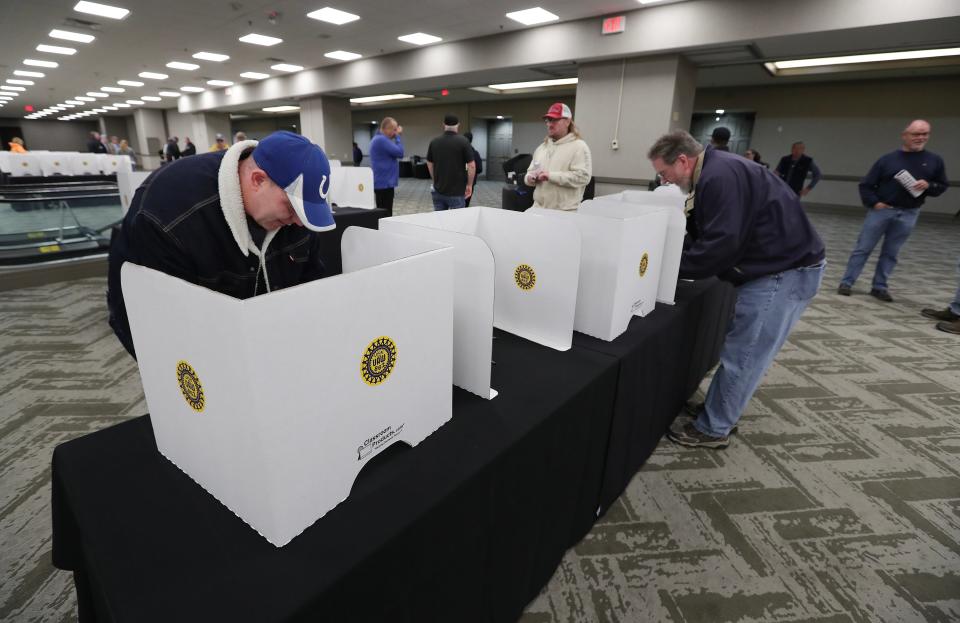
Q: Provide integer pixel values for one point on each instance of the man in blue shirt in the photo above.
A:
(386, 149)
(893, 191)
(753, 233)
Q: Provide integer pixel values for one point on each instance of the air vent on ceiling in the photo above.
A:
(724, 56)
(81, 23)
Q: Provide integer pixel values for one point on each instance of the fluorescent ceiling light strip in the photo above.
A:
(121, 105)
(343, 55)
(530, 17)
(153, 75)
(103, 10)
(28, 74)
(130, 83)
(220, 83)
(253, 75)
(135, 102)
(280, 108)
(66, 35)
(193, 89)
(184, 66)
(532, 85)
(56, 49)
(286, 67)
(419, 38)
(380, 98)
(168, 94)
(28, 83)
(256, 39)
(211, 56)
(112, 89)
(6, 88)
(333, 16)
(84, 98)
(37, 63)
(881, 57)
(96, 94)
(77, 102)
(150, 98)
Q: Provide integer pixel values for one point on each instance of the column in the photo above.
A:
(206, 126)
(657, 97)
(151, 135)
(327, 122)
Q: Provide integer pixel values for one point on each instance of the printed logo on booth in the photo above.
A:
(644, 264)
(360, 187)
(379, 360)
(190, 386)
(525, 277)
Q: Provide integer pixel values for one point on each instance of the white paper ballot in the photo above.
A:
(908, 182)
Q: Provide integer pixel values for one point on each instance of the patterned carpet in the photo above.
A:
(838, 501)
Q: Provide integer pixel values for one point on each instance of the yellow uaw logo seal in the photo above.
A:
(644, 263)
(525, 277)
(190, 386)
(360, 187)
(378, 361)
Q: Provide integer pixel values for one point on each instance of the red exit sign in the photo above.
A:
(614, 25)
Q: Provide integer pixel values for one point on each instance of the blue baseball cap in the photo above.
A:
(302, 170)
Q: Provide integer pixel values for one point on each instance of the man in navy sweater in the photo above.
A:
(753, 233)
(893, 203)
(386, 149)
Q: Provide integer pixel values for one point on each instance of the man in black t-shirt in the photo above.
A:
(451, 166)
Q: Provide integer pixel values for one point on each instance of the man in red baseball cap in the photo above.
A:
(562, 166)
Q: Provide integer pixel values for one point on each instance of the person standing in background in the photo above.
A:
(893, 202)
(720, 138)
(94, 146)
(357, 154)
(753, 154)
(793, 169)
(450, 162)
(220, 144)
(126, 150)
(239, 136)
(478, 162)
(189, 149)
(16, 145)
(386, 149)
(562, 164)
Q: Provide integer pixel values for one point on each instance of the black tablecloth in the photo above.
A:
(468, 526)
(330, 240)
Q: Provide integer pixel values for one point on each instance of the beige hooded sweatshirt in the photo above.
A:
(570, 166)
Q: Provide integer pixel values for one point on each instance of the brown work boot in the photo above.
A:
(939, 314)
(950, 327)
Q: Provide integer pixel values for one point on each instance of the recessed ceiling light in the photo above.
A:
(6, 88)
(150, 98)
(96, 94)
(260, 39)
(84, 98)
(253, 75)
(220, 83)
(26, 82)
(130, 83)
(112, 89)
(110, 108)
(103, 10)
(135, 102)
(169, 94)
(55, 49)
(648, 1)
(77, 102)
(121, 105)
(98, 110)
(68, 105)
(880, 57)
(499, 116)
(532, 85)
(152, 75)
(193, 89)
(184, 66)
(379, 98)
(28, 74)
(36, 63)
(286, 67)
(211, 56)
(66, 35)
(280, 108)
(529, 17)
(419, 38)
(720, 111)
(341, 55)
(333, 16)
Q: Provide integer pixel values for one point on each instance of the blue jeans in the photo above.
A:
(766, 310)
(447, 202)
(895, 225)
(955, 305)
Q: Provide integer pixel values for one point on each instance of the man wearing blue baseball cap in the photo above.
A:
(221, 220)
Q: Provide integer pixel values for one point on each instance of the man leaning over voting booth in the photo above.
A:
(221, 220)
(752, 232)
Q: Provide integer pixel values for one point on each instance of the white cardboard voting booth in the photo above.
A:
(536, 267)
(56, 163)
(24, 165)
(643, 202)
(352, 187)
(111, 163)
(274, 404)
(620, 260)
(127, 184)
(85, 164)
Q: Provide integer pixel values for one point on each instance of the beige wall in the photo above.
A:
(847, 126)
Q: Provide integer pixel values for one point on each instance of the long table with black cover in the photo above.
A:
(467, 526)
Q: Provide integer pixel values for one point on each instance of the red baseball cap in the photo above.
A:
(559, 111)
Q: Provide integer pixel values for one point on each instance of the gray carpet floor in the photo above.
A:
(838, 501)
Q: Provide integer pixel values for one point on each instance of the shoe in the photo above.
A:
(881, 295)
(694, 409)
(691, 437)
(950, 327)
(844, 289)
(940, 314)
